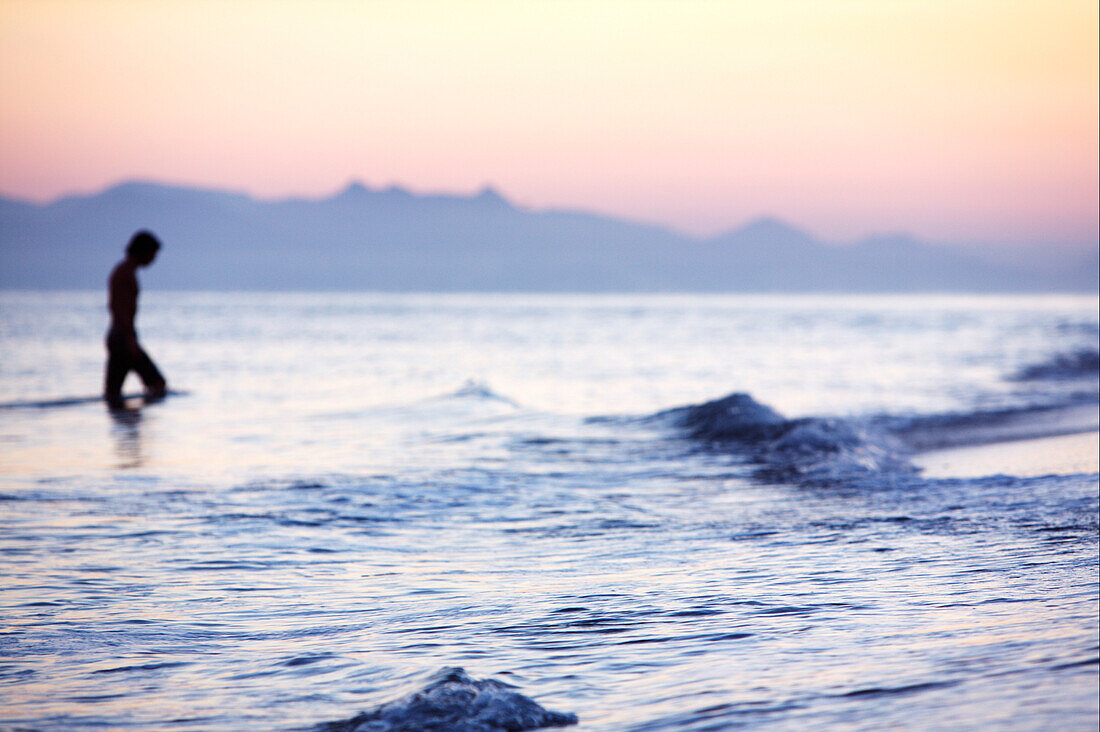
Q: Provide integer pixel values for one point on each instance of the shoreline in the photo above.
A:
(1052, 441)
(1067, 454)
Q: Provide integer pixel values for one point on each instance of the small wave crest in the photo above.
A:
(454, 702)
(475, 390)
(1063, 366)
(733, 417)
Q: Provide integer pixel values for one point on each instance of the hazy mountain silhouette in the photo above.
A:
(392, 239)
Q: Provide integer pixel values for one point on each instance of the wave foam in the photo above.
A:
(454, 702)
(827, 450)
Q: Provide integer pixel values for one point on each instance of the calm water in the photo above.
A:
(355, 491)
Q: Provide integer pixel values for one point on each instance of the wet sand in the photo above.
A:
(1059, 455)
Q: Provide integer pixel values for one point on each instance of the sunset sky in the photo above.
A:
(956, 121)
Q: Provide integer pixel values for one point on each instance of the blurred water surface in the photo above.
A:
(353, 491)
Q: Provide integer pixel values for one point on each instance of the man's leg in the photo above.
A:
(150, 374)
(118, 365)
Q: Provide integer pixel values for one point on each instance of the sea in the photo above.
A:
(380, 511)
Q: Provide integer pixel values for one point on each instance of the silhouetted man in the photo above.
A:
(124, 354)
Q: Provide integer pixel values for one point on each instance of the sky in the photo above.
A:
(954, 121)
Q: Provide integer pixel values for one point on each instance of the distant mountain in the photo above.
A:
(391, 239)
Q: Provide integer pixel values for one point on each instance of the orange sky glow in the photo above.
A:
(954, 121)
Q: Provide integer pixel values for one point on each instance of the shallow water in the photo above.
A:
(355, 491)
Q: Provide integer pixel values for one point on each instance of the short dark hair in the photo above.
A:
(142, 243)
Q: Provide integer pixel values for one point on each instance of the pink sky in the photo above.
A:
(954, 121)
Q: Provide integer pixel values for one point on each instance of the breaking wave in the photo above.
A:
(817, 450)
(454, 702)
(828, 450)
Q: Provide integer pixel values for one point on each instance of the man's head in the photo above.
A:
(143, 247)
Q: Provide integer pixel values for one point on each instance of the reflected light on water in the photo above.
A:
(329, 515)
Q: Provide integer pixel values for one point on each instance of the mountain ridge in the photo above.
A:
(364, 238)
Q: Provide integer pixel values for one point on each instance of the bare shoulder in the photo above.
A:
(122, 275)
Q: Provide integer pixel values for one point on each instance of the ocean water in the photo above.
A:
(348, 494)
